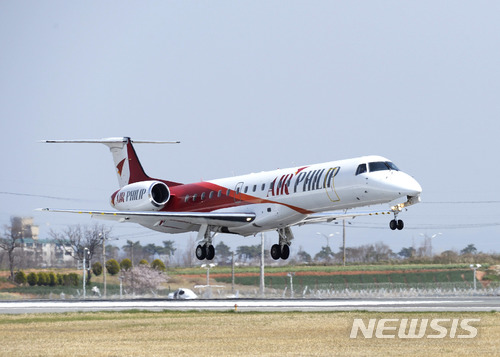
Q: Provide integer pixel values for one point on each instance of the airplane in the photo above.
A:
(254, 203)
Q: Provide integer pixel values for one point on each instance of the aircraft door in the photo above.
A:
(329, 184)
(237, 192)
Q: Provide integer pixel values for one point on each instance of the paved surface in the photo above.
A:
(469, 304)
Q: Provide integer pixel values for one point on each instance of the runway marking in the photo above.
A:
(250, 305)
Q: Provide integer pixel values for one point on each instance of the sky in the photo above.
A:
(249, 86)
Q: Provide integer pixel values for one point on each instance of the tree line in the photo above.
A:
(87, 241)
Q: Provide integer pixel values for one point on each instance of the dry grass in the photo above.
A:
(226, 334)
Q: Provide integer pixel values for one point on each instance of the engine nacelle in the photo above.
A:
(141, 196)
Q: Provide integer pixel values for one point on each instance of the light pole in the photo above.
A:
(85, 250)
(343, 242)
(291, 284)
(262, 283)
(475, 267)
(327, 237)
(208, 267)
(428, 240)
(103, 237)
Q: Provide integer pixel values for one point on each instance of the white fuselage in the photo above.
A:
(284, 197)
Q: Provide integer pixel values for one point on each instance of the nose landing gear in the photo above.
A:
(396, 224)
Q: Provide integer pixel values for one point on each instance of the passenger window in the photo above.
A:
(254, 188)
(211, 195)
(203, 195)
(361, 169)
(246, 189)
(228, 192)
(186, 199)
(194, 197)
(219, 193)
(263, 187)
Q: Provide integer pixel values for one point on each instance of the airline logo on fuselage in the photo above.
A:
(304, 181)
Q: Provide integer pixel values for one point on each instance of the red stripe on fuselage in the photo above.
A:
(178, 201)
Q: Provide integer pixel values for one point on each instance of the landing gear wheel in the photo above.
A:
(210, 252)
(201, 252)
(400, 225)
(275, 251)
(285, 252)
(393, 224)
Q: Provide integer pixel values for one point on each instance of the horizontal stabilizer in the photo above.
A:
(127, 165)
(107, 141)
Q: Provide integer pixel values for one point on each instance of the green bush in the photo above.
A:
(491, 277)
(60, 279)
(71, 279)
(97, 268)
(158, 265)
(126, 264)
(144, 262)
(43, 279)
(20, 278)
(32, 279)
(113, 267)
(52, 279)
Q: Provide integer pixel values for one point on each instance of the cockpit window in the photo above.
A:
(392, 166)
(382, 166)
(361, 169)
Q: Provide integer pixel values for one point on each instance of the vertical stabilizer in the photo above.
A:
(128, 167)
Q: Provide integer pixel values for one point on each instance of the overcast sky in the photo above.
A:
(248, 86)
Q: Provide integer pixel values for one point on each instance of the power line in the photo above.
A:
(359, 225)
(459, 202)
(42, 196)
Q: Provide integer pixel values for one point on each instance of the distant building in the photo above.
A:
(39, 253)
(24, 227)
(44, 253)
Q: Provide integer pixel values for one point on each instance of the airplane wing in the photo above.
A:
(335, 216)
(161, 218)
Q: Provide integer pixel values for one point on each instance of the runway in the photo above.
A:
(456, 304)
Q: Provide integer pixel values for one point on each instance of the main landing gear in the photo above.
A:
(282, 249)
(205, 250)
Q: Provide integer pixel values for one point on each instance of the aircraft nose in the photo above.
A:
(409, 186)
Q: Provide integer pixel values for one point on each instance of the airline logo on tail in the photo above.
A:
(119, 167)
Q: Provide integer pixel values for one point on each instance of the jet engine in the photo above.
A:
(141, 196)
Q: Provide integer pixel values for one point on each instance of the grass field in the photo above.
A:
(227, 334)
